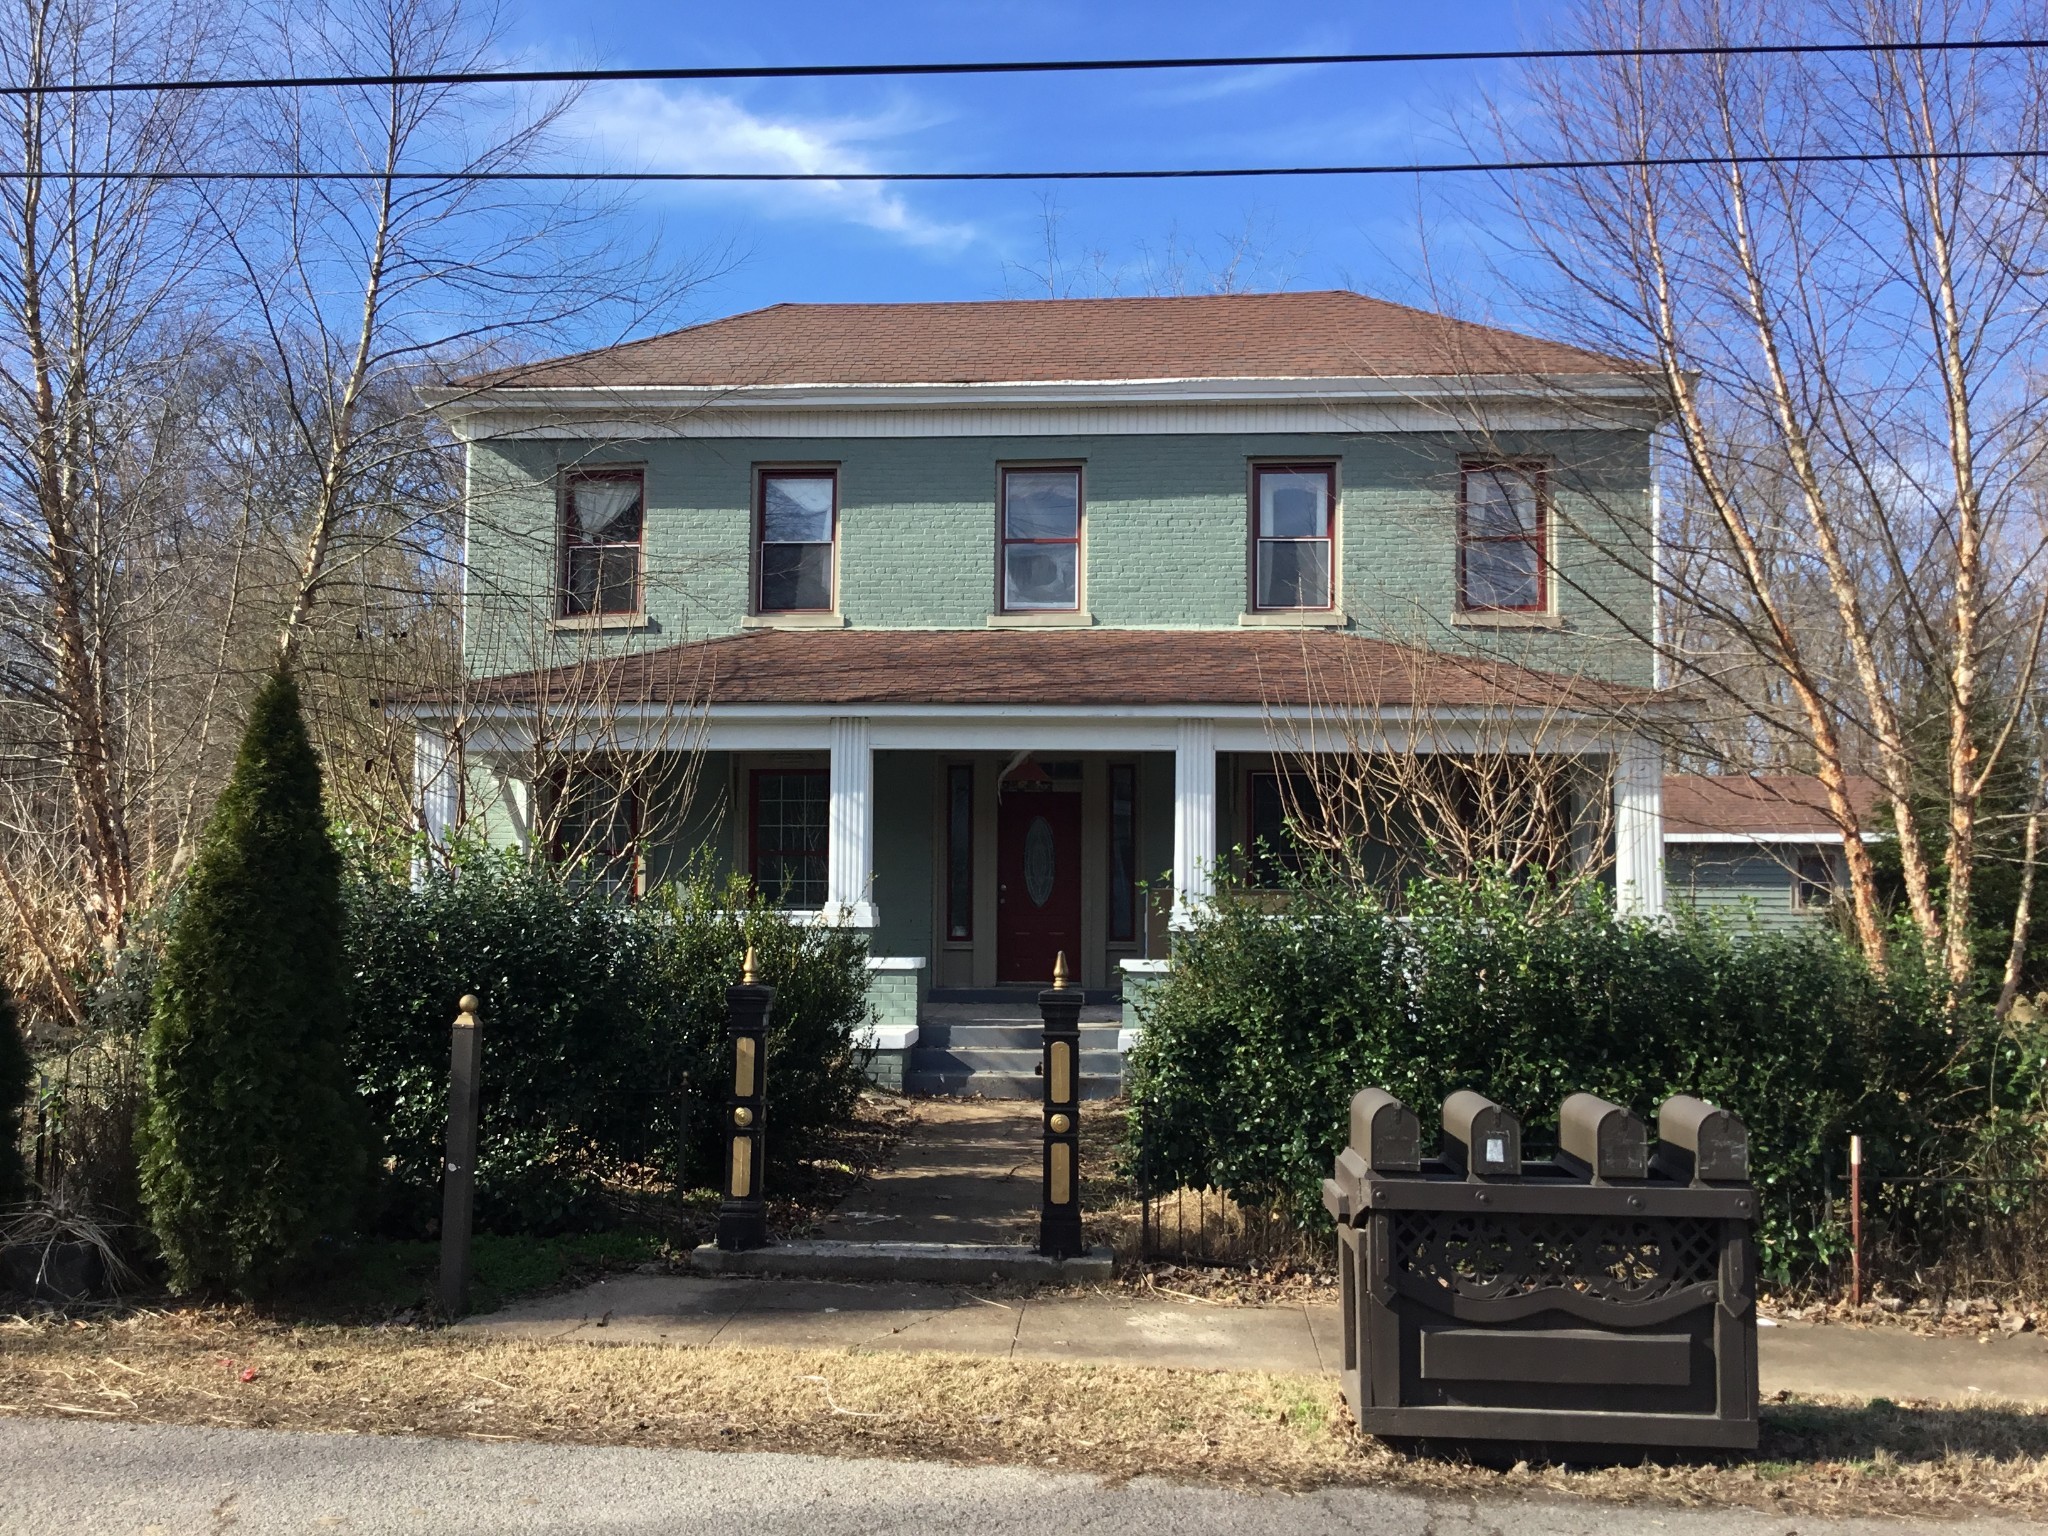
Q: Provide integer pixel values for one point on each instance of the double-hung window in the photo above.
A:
(791, 807)
(602, 524)
(1503, 531)
(1293, 535)
(1041, 540)
(797, 518)
(596, 830)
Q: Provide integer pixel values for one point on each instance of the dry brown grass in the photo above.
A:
(1236, 1428)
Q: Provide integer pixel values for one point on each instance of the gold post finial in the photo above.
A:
(747, 968)
(1059, 972)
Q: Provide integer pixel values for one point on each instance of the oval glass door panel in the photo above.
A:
(1038, 861)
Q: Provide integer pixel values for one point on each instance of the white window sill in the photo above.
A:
(1507, 620)
(1054, 620)
(793, 621)
(1296, 618)
(589, 621)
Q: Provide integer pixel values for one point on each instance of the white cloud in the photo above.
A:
(646, 127)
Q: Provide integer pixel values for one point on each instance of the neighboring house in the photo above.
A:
(1761, 844)
(977, 625)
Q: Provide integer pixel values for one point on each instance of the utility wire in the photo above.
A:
(1190, 173)
(1009, 66)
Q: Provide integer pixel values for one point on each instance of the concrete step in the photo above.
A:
(982, 1059)
(1004, 1085)
(986, 1036)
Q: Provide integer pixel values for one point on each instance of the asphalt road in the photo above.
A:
(76, 1479)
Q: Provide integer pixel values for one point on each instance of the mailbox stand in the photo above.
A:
(1607, 1297)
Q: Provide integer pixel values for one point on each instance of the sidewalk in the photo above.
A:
(1809, 1359)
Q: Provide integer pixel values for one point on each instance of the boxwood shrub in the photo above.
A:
(1271, 1020)
(593, 1010)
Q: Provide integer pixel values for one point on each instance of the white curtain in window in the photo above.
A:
(598, 504)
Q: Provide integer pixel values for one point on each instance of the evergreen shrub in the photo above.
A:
(1271, 1020)
(592, 1011)
(251, 1148)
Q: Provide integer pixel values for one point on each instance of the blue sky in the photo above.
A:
(852, 242)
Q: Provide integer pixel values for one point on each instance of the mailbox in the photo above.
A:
(1603, 1297)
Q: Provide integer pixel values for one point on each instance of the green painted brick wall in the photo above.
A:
(1166, 534)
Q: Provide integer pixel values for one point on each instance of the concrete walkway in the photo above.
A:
(1111, 1327)
(966, 1173)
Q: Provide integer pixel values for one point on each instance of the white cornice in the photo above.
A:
(1503, 402)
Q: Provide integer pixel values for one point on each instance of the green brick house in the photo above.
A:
(978, 626)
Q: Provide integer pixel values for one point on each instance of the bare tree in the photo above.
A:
(1848, 349)
(96, 300)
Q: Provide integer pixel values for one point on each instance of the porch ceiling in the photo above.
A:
(1051, 669)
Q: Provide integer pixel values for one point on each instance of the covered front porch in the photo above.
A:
(1032, 797)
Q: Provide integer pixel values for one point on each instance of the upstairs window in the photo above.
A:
(798, 517)
(1503, 531)
(1041, 540)
(790, 815)
(1293, 507)
(602, 524)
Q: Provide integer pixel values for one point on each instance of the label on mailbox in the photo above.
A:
(1496, 1149)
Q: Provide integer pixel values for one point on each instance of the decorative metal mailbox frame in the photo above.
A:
(1603, 1297)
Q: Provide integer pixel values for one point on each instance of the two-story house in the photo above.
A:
(979, 625)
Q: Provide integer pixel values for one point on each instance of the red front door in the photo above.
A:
(1038, 884)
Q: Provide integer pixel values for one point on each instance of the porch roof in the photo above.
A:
(1762, 807)
(1051, 668)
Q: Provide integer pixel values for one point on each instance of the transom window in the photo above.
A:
(1503, 517)
(602, 523)
(1292, 510)
(799, 513)
(1041, 540)
(790, 811)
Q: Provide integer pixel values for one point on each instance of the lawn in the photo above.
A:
(1247, 1429)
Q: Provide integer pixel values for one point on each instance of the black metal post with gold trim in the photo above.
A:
(743, 1216)
(1059, 1214)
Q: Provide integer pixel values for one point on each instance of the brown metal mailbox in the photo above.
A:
(1604, 1297)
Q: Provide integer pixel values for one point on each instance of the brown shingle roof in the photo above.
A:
(1217, 336)
(1759, 805)
(1045, 669)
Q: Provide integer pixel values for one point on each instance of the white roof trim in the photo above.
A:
(1820, 839)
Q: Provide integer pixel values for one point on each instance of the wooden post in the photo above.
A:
(1059, 1212)
(743, 1215)
(1855, 1221)
(458, 1184)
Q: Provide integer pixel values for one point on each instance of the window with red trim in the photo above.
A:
(1503, 529)
(1041, 540)
(1123, 853)
(603, 521)
(596, 831)
(959, 852)
(797, 520)
(1293, 535)
(790, 810)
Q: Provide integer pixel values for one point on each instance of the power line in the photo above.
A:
(1188, 173)
(1010, 66)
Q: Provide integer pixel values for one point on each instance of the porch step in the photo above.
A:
(1003, 1085)
(951, 1059)
(1007, 1036)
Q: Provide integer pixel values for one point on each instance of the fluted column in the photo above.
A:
(850, 845)
(1194, 819)
(1639, 828)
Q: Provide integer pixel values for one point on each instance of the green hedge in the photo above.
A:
(1270, 1021)
(592, 1011)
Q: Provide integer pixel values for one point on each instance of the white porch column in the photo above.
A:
(1194, 819)
(437, 790)
(1639, 828)
(850, 845)
(434, 784)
